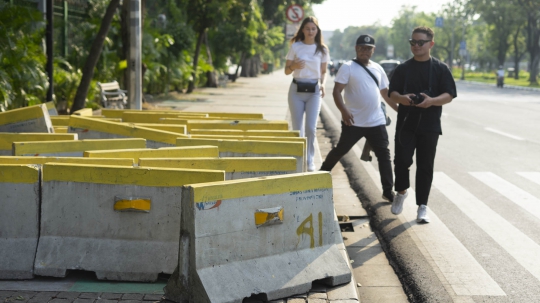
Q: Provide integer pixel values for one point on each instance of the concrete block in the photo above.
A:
(164, 152)
(60, 129)
(252, 148)
(89, 128)
(60, 120)
(248, 132)
(121, 223)
(154, 117)
(117, 113)
(237, 124)
(84, 112)
(74, 148)
(7, 139)
(51, 108)
(270, 236)
(234, 167)
(175, 128)
(19, 215)
(78, 160)
(32, 119)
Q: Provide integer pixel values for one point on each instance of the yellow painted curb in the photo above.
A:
(238, 124)
(79, 160)
(175, 128)
(249, 132)
(23, 114)
(7, 139)
(84, 112)
(248, 146)
(117, 113)
(165, 152)
(60, 120)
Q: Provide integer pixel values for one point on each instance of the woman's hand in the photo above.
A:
(323, 90)
(298, 64)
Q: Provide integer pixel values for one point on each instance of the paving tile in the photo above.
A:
(342, 292)
(111, 296)
(376, 275)
(369, 255)
(84, 300)
(152, 297)
(133, 297)
(68, 295)
(382, 295)
(89, 295)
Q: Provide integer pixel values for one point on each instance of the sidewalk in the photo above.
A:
(374, 279)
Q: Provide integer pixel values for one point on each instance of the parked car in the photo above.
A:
(389, 66)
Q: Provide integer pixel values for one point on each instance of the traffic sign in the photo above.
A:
(295, 13)
(439, 22)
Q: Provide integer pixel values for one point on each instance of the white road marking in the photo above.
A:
(504, 134)
(532, 176)
(511, 239)
(520, 197)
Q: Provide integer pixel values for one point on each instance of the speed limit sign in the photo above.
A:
(295, 13)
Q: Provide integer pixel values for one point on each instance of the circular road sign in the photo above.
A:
(295, 13)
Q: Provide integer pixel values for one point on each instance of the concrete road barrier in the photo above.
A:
(51, 108)
(234, 167)
(7, 139)
(60, 120)
(60, 129)
(270, 237)
(78, 160)
(252, 148)
(175, 128)
(88, 128)
(74, 148)
(121, 223)
(229, 124)
(19, 225)
(32, 119)
(164, 152)
(117, 113)
(154, 117)
(249, 132)
(88, 112)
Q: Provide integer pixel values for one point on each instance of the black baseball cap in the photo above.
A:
(365, 40)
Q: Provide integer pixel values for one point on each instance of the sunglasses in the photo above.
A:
(412, 42)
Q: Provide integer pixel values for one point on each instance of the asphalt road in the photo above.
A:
(483, 244)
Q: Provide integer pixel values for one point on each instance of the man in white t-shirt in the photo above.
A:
(364, 82)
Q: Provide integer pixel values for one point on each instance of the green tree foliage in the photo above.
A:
(22, 60)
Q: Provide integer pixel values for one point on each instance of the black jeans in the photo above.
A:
(425, 144)
(377, 138)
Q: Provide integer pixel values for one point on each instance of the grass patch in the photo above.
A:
(485, 77)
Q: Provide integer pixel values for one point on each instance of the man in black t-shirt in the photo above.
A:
(421, 86)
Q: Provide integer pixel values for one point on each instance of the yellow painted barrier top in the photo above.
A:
(175, 128)
(60, 129)
(117, 113)
(23, 114)
(41, 147)
(80, 160)
(228, 164)
(243, 138)
(159, 177)
(237, 115)
(19, 173)
(248, 146)
(123, 129)
(238, 124)
(60, 120)
(84, 112)
(248, 132)
(165, 152)
(153, 117)
(270, 185)
(7, 139)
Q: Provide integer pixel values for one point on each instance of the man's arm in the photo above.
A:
(346, 115)
(384, 94)
(401, 99)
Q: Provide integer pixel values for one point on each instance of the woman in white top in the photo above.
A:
(307, 60)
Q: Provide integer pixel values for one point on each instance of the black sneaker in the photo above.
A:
(388, 196)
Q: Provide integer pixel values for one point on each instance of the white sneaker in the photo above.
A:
(311, 168)
(422, 216)
(397, 205)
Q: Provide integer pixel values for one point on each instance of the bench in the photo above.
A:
(112, 96)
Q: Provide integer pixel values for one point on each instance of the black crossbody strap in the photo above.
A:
(367, 70)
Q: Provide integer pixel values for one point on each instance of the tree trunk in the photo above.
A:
(93, 57)
(211, 80)
(191, 85)
(238, 66)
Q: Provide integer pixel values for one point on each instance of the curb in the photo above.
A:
(505, 86)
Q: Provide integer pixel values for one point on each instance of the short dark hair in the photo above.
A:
(424, 30)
